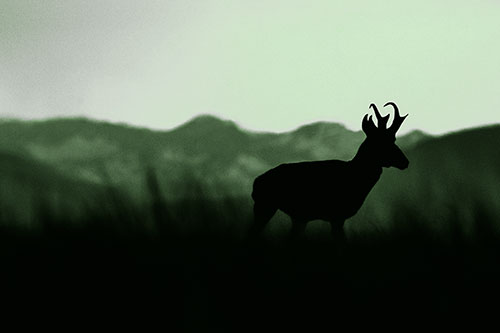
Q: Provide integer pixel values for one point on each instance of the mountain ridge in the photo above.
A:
(213, 151)
(213, 158)
(199, 119)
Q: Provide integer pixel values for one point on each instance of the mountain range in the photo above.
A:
(215, 152)
(76, 158)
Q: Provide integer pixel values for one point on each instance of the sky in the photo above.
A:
(268, 65)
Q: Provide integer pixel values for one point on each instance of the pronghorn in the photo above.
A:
(329, 190)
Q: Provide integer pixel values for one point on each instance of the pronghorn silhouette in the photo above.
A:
(330, 190)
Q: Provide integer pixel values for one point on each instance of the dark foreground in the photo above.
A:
(208, 279)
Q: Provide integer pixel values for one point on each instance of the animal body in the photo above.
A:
(330, 190)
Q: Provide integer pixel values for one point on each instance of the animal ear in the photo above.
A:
(368, 125)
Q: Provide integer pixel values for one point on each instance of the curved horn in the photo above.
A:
(382, 121)
(398, 120)
(368, 125)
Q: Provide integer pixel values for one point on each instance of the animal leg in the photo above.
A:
(262, 214)
(338, 233)
(298, 229)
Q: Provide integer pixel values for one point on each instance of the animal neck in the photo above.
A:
(367, 162)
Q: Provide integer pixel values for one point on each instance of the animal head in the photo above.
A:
(381, 141)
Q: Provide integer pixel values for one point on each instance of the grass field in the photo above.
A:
(188, 264)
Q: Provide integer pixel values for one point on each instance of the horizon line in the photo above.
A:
(4, 118)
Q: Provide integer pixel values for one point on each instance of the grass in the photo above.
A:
(187, 264)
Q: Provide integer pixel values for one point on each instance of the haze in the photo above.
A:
(268, 65)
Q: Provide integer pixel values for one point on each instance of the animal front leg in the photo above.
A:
(298, 229)
(338, 233)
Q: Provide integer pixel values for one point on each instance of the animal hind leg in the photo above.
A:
(262, 214)
(298, 229)
(338, 233)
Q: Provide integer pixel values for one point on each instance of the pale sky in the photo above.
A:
(269, 65)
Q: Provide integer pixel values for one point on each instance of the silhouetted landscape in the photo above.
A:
(142, 217)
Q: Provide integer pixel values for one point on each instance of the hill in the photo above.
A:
(214, 152)
(191, 254)
(455, 177)
(454, 174)
(27, 184)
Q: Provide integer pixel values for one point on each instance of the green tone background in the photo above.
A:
(268, 65)
(99, 219)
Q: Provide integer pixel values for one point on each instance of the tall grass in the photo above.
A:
(188, 262)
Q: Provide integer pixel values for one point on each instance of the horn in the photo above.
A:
(368, 125)
(398, 120)
(382, 121)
